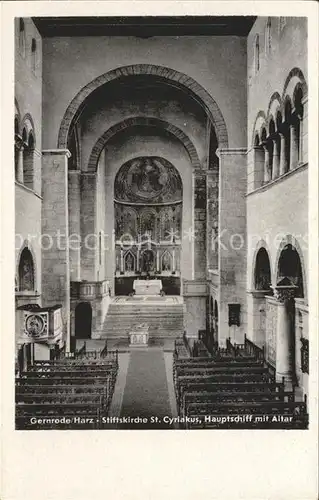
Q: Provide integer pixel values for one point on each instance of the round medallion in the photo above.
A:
(34, 325)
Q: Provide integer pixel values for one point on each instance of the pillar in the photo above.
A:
(89, 246)
(173, 261)
(284, 296)
(199, 225)
(55, 226)
(19, 172)
(294, 146)
(276, 158)
(157, 261)
(74, 188)
(283, 165)
(267, 176)
(231, 281)
(212, 217)
(122, 262)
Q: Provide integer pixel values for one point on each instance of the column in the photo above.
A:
(294, 139)
(283, 166)
(89, 246)
(157, 261)
(55, 225)
(212, 217)
(199, 224)
(19, 173)
(284, 332)
(276, 158)
(122, 262)
(137, 259)
(231, 283)
(267, 176)
(74, 183)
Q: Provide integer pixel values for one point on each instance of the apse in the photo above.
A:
(148, 196)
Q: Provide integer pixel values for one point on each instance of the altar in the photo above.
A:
(139, 335)
(147, 287)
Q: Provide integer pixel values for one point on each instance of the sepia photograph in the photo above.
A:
(161, 223)
(159, 250)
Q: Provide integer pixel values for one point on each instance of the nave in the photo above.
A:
(148, 388)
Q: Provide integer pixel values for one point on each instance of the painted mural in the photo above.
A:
(148, 179)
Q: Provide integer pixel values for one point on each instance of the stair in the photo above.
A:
(164, 320)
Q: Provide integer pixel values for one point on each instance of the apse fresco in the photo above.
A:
(148, 180)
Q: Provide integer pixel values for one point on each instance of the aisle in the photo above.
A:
(146, 392)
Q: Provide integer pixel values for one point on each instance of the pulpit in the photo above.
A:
(139, 335)
(147, 287)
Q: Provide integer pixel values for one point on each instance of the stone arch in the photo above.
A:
(26, 271)
(133, 265)
(166, 261)
(274, 105)
(291, 240)
(261, 244)
(180, 79)
(262, 271)
(294, 77)
(17, 116)
(259, 121)
(142, 121)
(26, 244)
(28, 125)
(287, 108)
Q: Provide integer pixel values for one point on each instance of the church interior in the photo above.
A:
(161, 220)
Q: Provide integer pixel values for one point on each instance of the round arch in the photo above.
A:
(28, 124)
(259, 121)
(261, 244)
(180, 79)
(291, 240)
(294, 78)
(27, 245)
(142, 121)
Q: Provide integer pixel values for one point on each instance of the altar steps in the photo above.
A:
(165, 321)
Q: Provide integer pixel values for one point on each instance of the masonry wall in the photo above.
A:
(288, 51)
(206, 59)
(28, 99)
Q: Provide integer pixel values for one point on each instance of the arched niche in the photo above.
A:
(262, 275)
(289, 266)
(26, 271)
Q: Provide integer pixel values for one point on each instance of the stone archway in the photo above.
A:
(147, 122)
(180, 80)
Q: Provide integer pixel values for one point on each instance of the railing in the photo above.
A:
(254, 350)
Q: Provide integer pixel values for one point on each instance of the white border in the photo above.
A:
(278, 465)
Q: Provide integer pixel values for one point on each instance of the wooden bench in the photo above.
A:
(219, 378)
(228, 397)
(231, 387)
(227, 371)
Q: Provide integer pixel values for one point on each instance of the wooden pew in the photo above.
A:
(219, 378)
(190, 398)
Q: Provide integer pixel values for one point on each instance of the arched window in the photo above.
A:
(33, 55)
(256, 55)
(22, 37)
(26, 271)
(268, 37)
